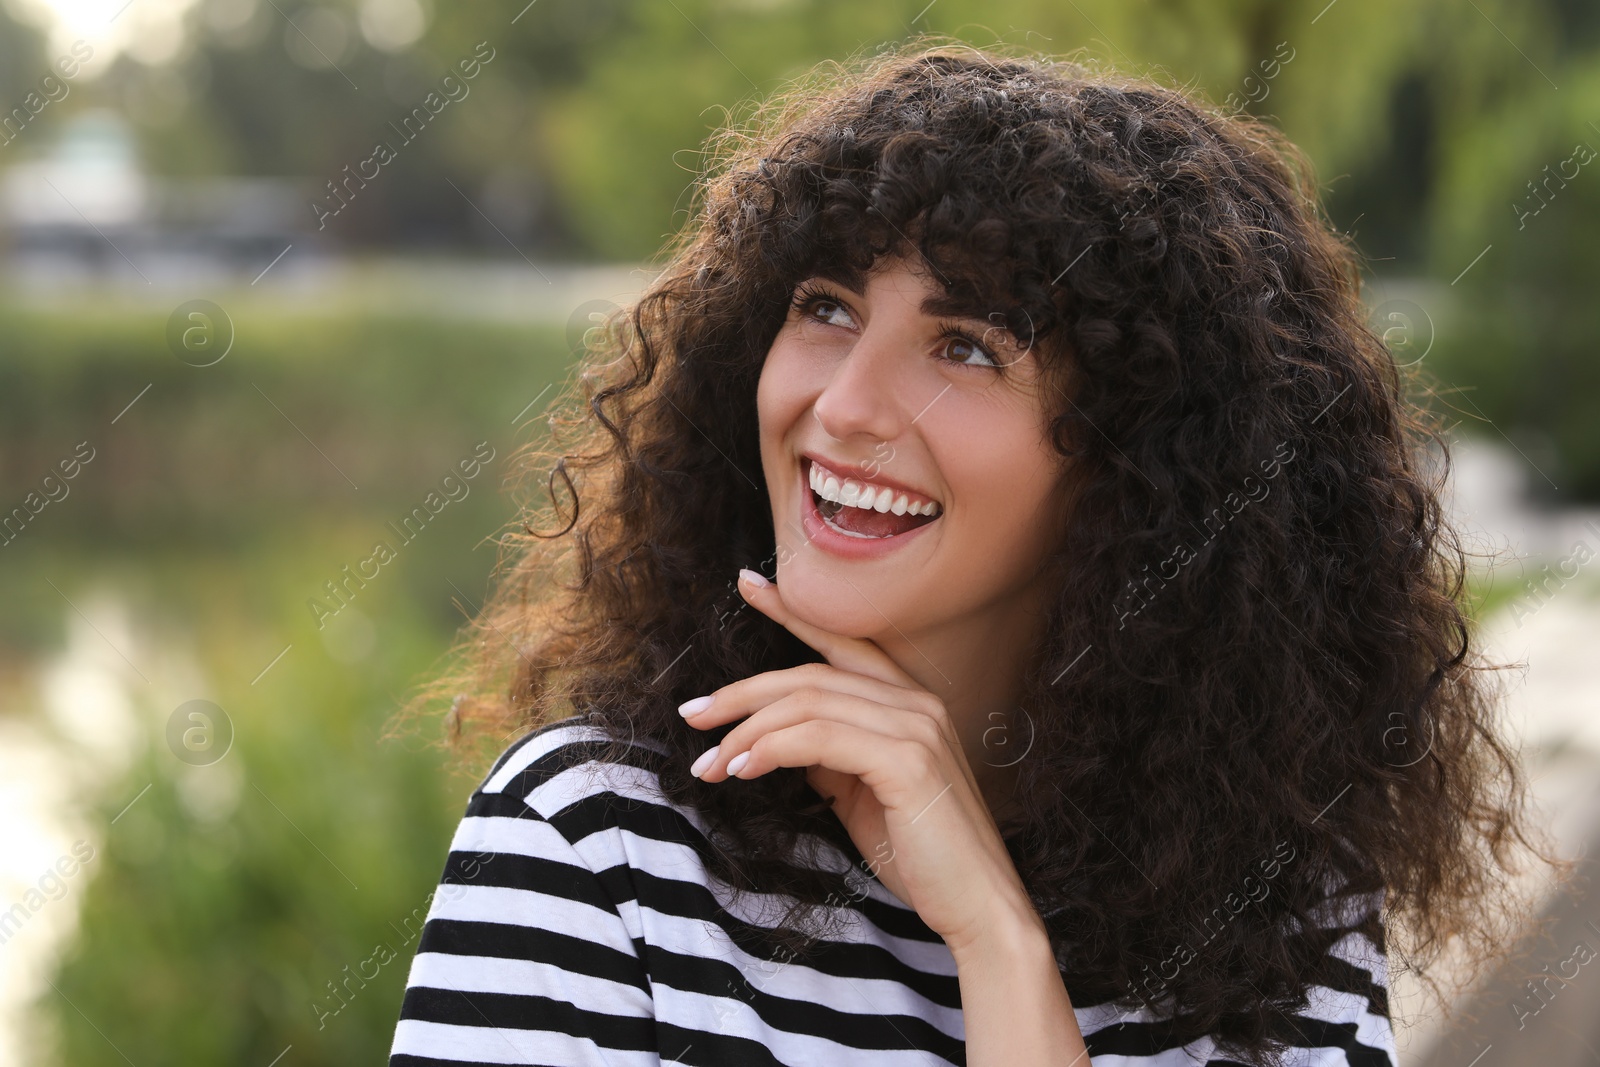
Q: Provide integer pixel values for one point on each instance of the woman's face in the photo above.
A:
(873, 388)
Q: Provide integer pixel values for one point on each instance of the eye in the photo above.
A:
(970, 351)
(958, 339)
(808, 297)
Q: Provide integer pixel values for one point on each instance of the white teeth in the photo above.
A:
(873, 497)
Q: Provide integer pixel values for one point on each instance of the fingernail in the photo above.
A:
(695, 706)
(736, 764)
(753, 578)
(707, 758)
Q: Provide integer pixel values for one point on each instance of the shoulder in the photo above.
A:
(1348, 1001)
(567, 762)
(530, 928)
(538, 756)
(570, 786)
(1343, 1022)
(1345, 1018)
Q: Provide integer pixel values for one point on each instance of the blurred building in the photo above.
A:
(86, 206)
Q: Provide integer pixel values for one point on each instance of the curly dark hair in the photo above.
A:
(1257, 671)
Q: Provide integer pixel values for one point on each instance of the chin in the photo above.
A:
(828, 601)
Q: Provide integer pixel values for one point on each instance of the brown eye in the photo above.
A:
(962, 347)
(808, 299)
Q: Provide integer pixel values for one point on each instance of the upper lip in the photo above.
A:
(861, 473)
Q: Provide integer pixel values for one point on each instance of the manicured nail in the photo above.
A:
(753, 578)
(736, 764)
(695, 706)
(703, 764)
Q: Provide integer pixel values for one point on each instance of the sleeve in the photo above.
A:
(523, 957)
(1346, 1021)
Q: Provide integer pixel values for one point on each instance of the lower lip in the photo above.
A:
(828, 539)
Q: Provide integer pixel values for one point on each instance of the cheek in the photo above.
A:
(1007, 481)
(781, 392)
(767, 392)
(774, 414)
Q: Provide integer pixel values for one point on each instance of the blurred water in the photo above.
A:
(499, 290)
(53, 767)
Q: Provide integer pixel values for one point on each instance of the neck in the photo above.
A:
(976, 664)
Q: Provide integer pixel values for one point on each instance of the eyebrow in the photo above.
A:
(936, 304)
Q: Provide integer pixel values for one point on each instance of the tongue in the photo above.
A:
(870, 521)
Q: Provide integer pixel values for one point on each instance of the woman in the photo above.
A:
(1105, 689)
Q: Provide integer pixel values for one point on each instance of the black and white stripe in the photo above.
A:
(576, 924)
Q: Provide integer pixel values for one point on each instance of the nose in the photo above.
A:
(866, 393)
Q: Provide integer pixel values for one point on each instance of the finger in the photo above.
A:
(750, 694)
(904, 775)
(850, 653)
(935, 731)
(908, 781)
(836, 788)
(801, 705)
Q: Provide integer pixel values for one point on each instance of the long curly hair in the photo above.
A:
(1258, 683)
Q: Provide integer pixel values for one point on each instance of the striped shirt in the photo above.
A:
(572, 928)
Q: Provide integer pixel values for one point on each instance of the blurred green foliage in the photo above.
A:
(307, 412)
(227, 898)
(1522, 189)
(21, 57)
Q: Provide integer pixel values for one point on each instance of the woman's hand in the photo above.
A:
(885, 749)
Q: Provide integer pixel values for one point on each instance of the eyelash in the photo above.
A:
(948, 330)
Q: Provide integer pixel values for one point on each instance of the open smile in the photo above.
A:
(857, 518)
